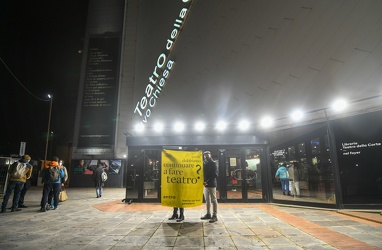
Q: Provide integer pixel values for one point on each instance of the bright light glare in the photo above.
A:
(178, 127)
(158, 127)
(221, 126)
(266, 122)
(49, 96)
(139, 127)
(200, 126)
(243, 125)
(297, 115)
(339, 105)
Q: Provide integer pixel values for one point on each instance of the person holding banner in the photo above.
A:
(211, 172)
(175, 214)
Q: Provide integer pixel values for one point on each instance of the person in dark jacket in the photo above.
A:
(211, 172)
(97, 178)
(51, 184)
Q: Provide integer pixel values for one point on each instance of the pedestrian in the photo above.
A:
(282, 172)
(18, 172)
(63, 182)
(97, 177)
(294, 179)
(51, 175)
(211, 172)
(175, 214)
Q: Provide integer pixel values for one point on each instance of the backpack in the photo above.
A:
(54, 174)
(18, 170)
(103, 176)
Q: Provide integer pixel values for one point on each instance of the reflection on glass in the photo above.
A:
(310, 174)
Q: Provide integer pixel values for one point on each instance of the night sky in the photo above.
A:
(40, 43)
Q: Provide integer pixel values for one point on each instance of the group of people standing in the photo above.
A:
(211, 173)
(53, 175)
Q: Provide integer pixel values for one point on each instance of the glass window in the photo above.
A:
(315, 143)
(292, 153)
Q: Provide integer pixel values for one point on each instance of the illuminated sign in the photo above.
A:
(161, 70)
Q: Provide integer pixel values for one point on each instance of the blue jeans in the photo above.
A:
(13, 185)
(56, 187)
(99, 191)
(284, 185)
(176, 210)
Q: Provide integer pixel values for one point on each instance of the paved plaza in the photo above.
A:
(85, 222)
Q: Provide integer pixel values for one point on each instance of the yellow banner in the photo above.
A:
(182, 178)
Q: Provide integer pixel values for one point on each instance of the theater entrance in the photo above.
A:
(242, 173)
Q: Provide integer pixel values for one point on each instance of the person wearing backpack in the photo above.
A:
(18, 172)
(51, 176)
(97, 177)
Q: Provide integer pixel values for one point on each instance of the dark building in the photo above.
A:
(151, 65)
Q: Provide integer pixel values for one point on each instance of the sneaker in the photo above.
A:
(55, 208)
(206, 217)
(214, 219)
(16, 209)
(3, 210)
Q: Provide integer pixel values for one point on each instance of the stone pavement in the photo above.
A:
(85, 222)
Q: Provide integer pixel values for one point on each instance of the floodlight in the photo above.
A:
(200, 126)
(221, 125)
(178, 127)
(339, 105)
(297, 115)
(266, 122)
(243, 125)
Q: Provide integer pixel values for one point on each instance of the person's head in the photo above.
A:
(54, 158)
(207, 155)
(26, 158)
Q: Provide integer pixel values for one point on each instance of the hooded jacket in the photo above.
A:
(45, 172)
(282, 172)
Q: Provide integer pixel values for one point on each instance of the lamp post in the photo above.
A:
(47, 133)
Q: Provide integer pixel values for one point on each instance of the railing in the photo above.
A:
(5, 162)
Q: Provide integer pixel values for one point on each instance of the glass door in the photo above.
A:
(243, 174)
(143, 175)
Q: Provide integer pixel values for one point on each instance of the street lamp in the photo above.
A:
(47, 133)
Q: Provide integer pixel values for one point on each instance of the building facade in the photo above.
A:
(152, 65)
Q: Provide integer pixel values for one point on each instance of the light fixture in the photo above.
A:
(339, 105)
(297, 115)
(266, 122)
(158, 127)
(139, 127)
(200, 126)
(243, 125)
(178, 127)
(221, 125)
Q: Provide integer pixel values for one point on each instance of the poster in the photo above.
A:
(182, 178)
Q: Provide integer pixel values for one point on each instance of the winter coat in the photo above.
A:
(211, 172)
(28, 172)
(97, 176)
(45, 173)
(282, 172)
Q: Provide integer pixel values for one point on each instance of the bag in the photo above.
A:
(63, 196)
(54, 174)
(104, 176)
(18, 170)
